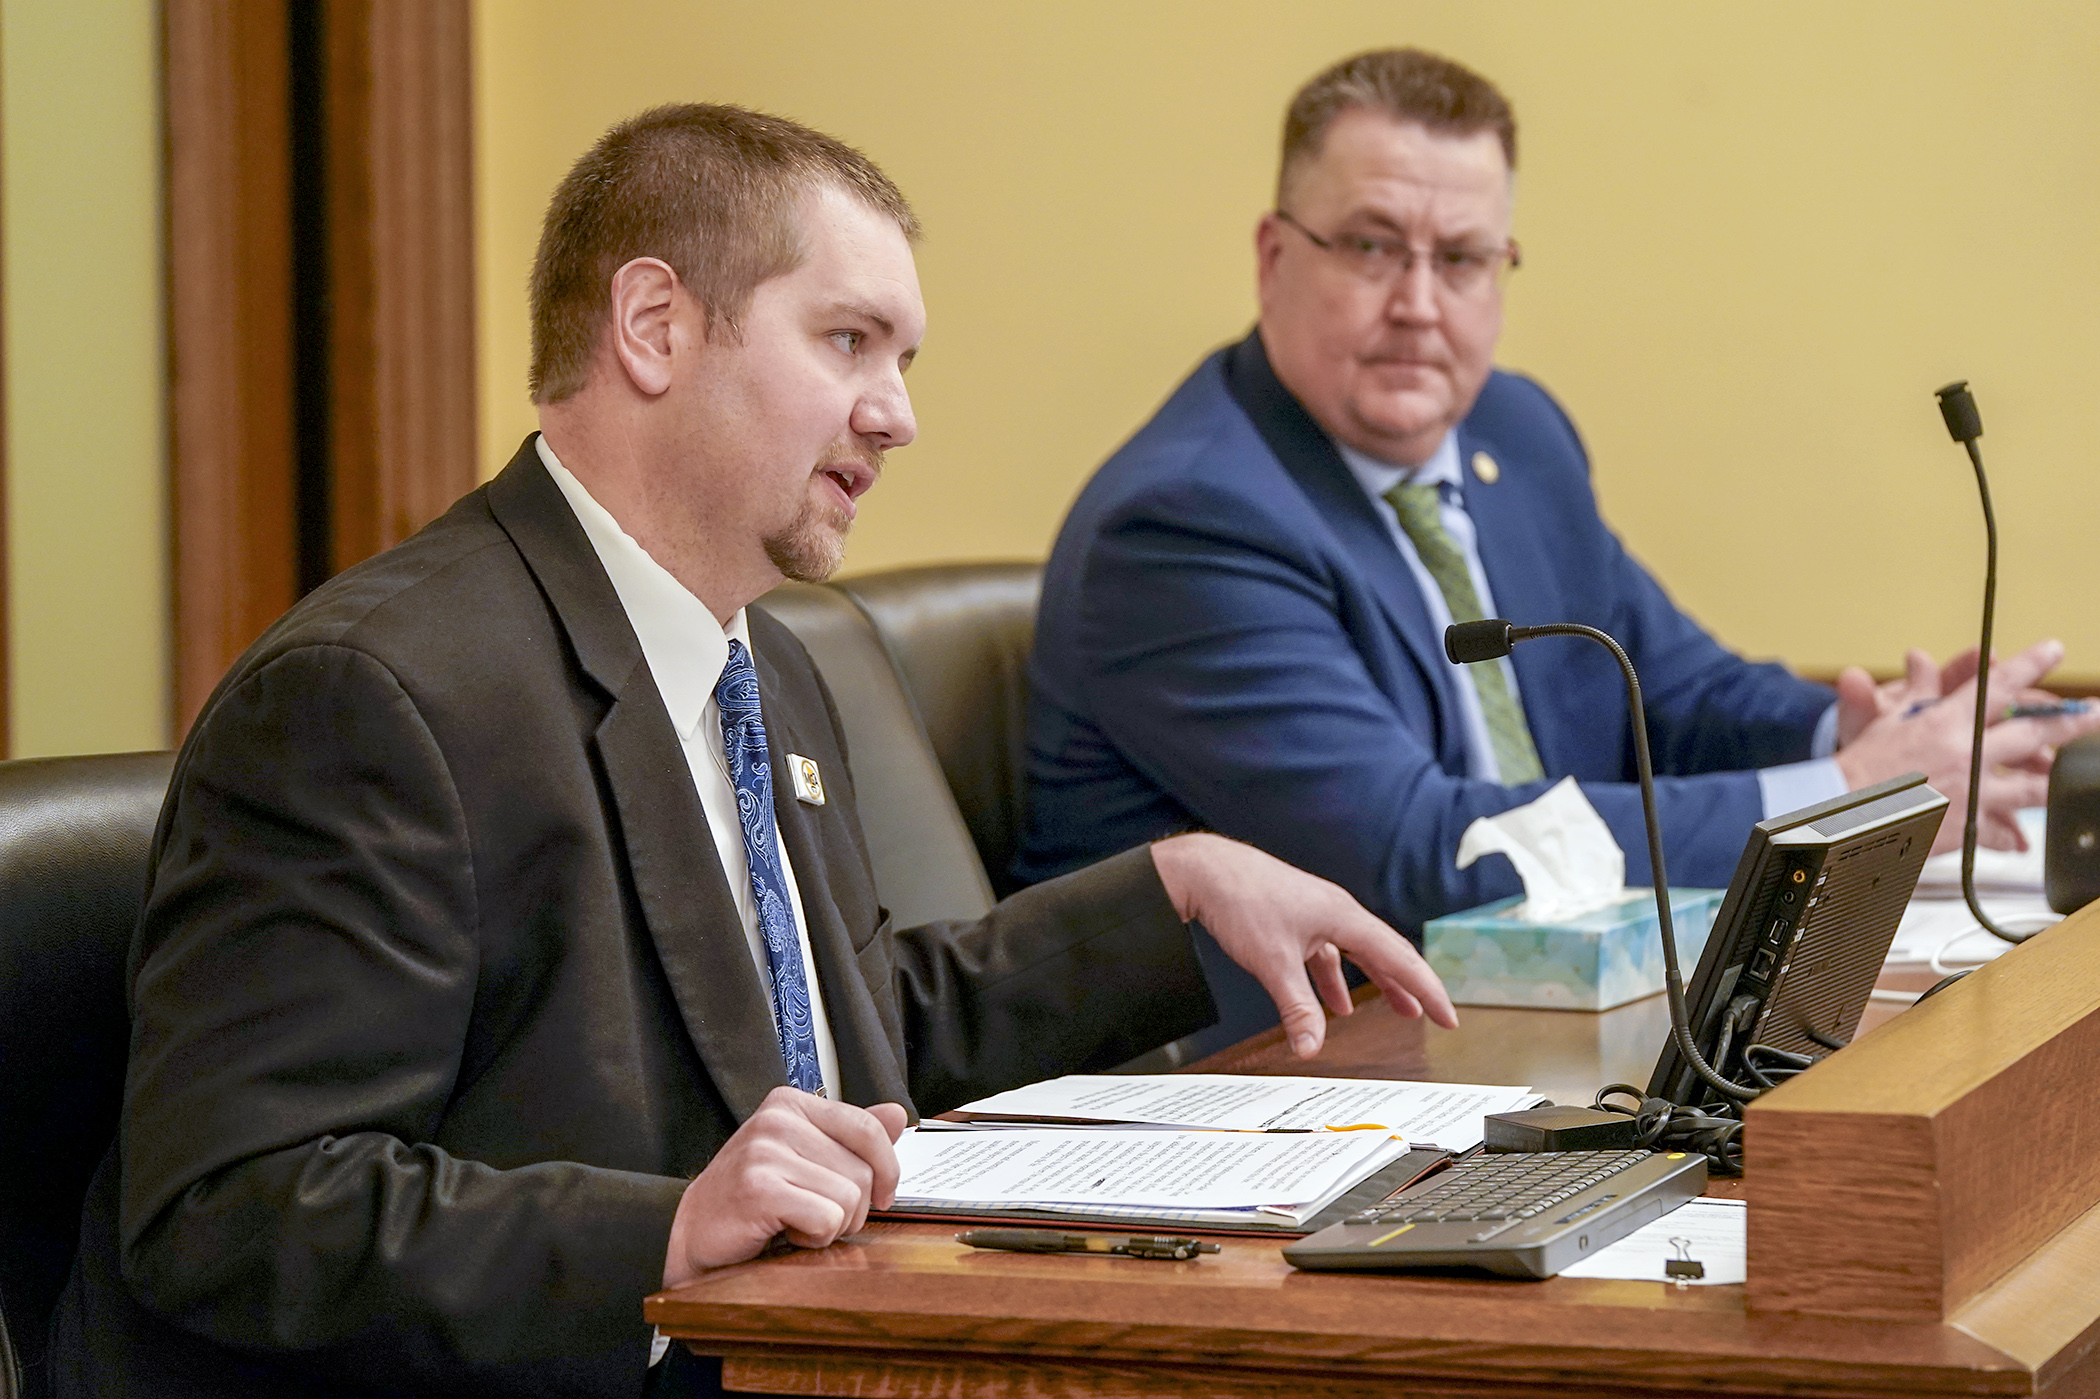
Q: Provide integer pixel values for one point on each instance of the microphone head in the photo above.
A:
(1958, 407)
(1485, 640)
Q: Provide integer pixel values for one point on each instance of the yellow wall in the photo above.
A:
(87, 574)
(1757, 237)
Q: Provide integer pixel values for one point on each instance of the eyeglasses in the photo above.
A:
(1460, 270)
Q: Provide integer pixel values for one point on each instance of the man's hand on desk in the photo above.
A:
(1924, 723)
(1282, 924)
(802, 1165)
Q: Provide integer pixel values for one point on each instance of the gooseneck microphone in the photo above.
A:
(1491, 639)
(1965, 425)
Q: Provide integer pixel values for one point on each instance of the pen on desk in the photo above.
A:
(1164, 1246)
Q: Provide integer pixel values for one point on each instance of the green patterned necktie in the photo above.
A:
(1508, 733)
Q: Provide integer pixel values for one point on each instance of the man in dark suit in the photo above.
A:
(1241, 623)
(487, 980)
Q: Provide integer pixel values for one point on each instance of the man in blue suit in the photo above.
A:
(1241, 622)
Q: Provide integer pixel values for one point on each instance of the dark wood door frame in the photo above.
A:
(7, 746)
(230, 408)
(320, 299)
(401, 260)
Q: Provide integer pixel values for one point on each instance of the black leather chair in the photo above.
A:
(926, 867)
(74, 834)
(959, 636)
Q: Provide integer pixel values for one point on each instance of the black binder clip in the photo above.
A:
(1683, 1268)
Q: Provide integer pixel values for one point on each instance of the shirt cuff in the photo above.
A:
(1825, 741)
(1792, 786)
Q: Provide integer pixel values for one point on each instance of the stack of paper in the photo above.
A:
(1214, 1178)
(1216, 1150)
(1444, 1115)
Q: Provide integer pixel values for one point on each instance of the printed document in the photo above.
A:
(1446, 1115)
(1714, 1232)
(1199, 1176)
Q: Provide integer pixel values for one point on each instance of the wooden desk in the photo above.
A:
(904, 1310)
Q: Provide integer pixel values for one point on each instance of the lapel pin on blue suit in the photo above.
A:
(809, 783)
(1485, 468)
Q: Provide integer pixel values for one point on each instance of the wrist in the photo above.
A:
(1178, 862)
(679, 1266)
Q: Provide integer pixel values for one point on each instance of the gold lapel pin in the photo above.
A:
(1485, 468)
(809, 783)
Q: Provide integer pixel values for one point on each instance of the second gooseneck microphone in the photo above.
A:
(1965, 425)
(1491, 639)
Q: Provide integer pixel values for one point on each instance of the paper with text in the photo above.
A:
(1053, 1168)
(1446, 1115)
(1715, 1233)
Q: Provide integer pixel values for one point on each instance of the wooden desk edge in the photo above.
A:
(2045, 1313)
(900, 1327)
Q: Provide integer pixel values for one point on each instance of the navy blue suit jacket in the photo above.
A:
(1230, 639)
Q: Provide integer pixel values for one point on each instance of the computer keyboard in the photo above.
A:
(1521, 1214)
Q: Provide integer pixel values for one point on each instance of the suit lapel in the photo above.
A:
(1313, 462)
(685, 901)
(868, 1068)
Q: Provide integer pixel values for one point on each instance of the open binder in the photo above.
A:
(1393, 1176)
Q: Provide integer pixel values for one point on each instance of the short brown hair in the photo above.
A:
(712, 191)
(1408, 85)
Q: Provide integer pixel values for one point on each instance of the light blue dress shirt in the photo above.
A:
(1787, 787)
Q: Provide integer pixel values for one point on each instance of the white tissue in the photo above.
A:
(1562, 849)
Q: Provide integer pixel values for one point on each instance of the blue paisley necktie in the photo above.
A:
(744, 739)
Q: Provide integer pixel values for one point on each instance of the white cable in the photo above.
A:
(1941, 968)
(1936, 962)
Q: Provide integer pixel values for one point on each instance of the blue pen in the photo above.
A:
(2058, 710)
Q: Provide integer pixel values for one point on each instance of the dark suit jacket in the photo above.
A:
(1229, 638)
(440, 993)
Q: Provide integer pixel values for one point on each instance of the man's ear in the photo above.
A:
(1268, 246)
(645, 333)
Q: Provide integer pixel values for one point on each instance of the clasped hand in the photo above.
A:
(802, 1166)
(1925, 723)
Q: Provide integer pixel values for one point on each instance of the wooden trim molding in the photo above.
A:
(230, 419)
(399, 131)
(320, 299)
(6, 592)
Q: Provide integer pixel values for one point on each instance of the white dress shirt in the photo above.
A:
(1787, 787)
(686, 649)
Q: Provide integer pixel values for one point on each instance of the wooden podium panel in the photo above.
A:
(1912, 1169)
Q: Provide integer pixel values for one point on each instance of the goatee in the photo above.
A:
(813, 544)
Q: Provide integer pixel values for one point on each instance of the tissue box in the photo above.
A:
(1593, 962)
